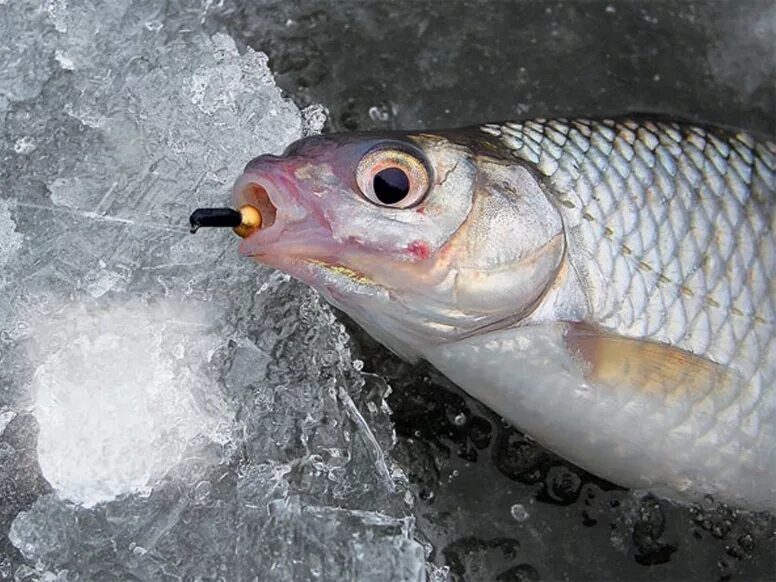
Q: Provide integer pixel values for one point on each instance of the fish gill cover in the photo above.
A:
(165, 409)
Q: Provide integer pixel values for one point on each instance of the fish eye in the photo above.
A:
(393, 178)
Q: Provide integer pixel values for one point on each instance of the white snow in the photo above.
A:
(122, 395)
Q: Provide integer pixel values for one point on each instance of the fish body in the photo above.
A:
(605, 285)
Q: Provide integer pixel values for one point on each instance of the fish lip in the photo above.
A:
(300, 231)
(300, 241)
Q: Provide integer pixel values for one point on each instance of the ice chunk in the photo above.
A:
(24, 65)
(123, 394)
(231, 536)
(6, 416)
(10, 240)
(330, 544)
(303, 495)
(196, 406)
(314, 119)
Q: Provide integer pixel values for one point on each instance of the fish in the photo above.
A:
(605, 285)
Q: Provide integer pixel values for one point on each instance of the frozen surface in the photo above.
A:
(409, 64)
(167, 409)
(122, 394)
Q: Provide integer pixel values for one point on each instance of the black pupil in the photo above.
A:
(391, 185)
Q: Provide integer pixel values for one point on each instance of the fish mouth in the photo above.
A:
(295, 235)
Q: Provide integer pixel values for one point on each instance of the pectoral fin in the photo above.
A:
(648, 366)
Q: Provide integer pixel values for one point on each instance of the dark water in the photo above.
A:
(435, 64)
(491, 504)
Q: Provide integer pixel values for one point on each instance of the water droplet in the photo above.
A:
(382, 112)
(562, 485)
(519, 512)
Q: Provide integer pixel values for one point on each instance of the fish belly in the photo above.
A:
(679, 444)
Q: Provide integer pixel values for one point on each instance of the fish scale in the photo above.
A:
(626, 190)
(671, 230)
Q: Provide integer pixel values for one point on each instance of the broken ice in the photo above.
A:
(167, 408)
(122, 395)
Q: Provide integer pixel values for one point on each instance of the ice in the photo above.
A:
(287, 541)
(6, 416)
(519, 512)
(168, 409)
(10, 240)
(148, 416)
(301, 498)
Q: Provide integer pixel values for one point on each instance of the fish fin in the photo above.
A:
(645, 365)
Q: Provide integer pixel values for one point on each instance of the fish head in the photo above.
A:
(422, 238)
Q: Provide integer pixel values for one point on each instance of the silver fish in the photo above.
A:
(605, 285)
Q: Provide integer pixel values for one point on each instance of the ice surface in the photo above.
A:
(168, 409)
(10, 240)
(122, 394)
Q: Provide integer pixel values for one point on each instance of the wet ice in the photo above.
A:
(10, 240)
(167, 408)
(122, 395)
